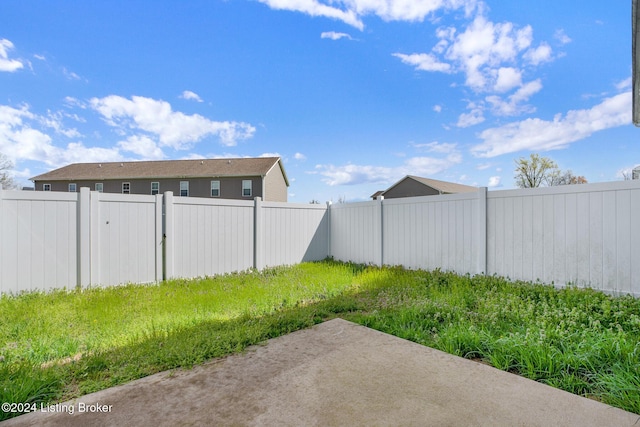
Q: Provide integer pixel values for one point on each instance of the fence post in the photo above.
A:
(84, 238)
(1, 240)
(481, 266)
(381, 203)
(168, 236)
(329, 230)
(159, 228)
(257, 234)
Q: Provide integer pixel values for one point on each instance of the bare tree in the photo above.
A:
(566, 178)
(6, 180)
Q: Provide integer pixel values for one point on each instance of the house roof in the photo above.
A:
(443, 187)
(198, 168)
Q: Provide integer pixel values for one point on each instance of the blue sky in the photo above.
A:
(352, 94)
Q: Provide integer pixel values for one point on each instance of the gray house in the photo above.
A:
(413, 186)
(242, 178)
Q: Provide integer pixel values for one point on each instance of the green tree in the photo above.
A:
(539, 171)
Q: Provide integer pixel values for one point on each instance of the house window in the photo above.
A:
(72, 188)
(46, 187)
(99, 187)
(155, 188)
(215, 188)
(126, 188)
(246, 188)
(184, 188)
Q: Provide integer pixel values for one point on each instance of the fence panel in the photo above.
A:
(38, 232)
(293, 233)
(126, 232)
(579, 234)
(432, 232)
(210, 237)
(356, 232)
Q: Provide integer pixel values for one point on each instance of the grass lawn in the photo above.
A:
(60, 345)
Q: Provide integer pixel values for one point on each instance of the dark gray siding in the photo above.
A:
(230, 188)
(409, 188)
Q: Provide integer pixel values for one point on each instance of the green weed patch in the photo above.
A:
(60, 345)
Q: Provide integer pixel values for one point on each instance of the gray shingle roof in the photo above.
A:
(444, 186)
(255, 166)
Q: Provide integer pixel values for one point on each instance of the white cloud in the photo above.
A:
(6, 64)
(334, 36)
(76, 152)
(424, 62)
(494, 181)
(143, 146)
(507, 79)
(437, 147)
(514, 104)
(351, 12)
(173, 129)
(473, 117)
(437, 108)
(351, 174)
(484, 46)
(561, 36)
(315, 8)
(26, 136)
(624, 84)
(299, 156)
(485, 52)
(276, 154)
(540, 135)
(187, 94)
(70, 74)
(54, 120)
(21, 139)
(542, 53)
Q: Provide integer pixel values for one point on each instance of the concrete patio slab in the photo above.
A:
(334, 374)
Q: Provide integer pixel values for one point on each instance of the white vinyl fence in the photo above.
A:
(38, 240)
(585, 235)
(52, 240)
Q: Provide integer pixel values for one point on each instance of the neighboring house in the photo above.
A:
(413, 186)
(243, 178)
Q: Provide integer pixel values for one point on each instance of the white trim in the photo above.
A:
(217, 187)
(250, 188)
(157, 189)
(187, 188)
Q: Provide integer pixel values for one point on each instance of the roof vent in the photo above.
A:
(100, 165)
(202, 162)
(228, 162)
(121, 164)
